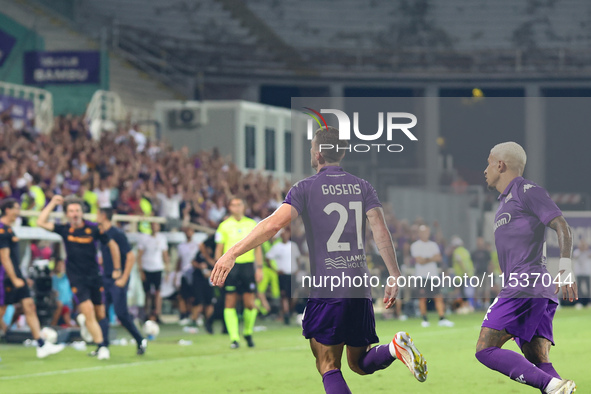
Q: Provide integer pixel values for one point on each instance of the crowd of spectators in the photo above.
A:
(128, 172)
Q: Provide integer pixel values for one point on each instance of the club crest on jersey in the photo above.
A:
(509, 196)
(502, 219)
(527, 187)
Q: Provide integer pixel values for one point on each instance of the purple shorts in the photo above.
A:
(334, 321)
(524, 318)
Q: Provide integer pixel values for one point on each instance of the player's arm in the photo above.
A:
(262, 232)
(166, 258)
(116, 256)
(385, 245)
(258, 261)
(565, 243)
(9, 268)
(43, 219)
(129, 262)
(436, 258)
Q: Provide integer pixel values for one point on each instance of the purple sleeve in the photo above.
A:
(296, 198)
(537, 201)
(371, 197)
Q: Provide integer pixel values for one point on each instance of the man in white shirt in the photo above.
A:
(427, 255)
(285, 254)
(170, 207)
(187, 251)
(153, 258)
(582, 270)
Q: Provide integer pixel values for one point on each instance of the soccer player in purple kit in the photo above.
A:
(332, 204)
(525, 307)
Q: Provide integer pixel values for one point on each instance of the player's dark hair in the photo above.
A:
(330, 136)
(108, 212)
(71, 200)
(7, 203)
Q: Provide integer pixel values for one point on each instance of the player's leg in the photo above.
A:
(440, 306)
(508, 362)
(248, 289)
(205, 292)
(86, 309)
(537, 352)
(230, 314)
(3, 327)
(147, 285)
(361, 333)
(157, 297)
(119, 300)
(105, 323)
(365, 360)
(423, 311)
(328, 364)
(44, 349)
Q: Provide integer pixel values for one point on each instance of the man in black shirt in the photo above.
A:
(82, 266)
(203, 263)
(13, 287)
(116, 290)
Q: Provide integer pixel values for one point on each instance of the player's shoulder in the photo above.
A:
(526, 187)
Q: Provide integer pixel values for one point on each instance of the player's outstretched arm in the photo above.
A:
(43, 219)
(385, 245)
(565, 243)
(262, 232)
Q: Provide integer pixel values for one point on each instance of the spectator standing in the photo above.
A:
(154, 259)
(427, 255)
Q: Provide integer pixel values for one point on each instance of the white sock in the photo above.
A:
(554, 383)
(392, 350)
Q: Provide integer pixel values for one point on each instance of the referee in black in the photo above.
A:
(82, 266)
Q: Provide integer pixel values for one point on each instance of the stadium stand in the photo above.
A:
(136, 90)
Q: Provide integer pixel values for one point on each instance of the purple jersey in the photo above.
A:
(520, 232)
(333, 206)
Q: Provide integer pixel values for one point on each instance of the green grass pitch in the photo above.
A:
(283, 363)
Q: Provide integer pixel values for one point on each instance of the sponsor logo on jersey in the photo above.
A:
(502, 219)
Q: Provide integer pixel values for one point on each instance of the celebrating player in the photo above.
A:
(242, 279)
(13, 287)
(333, 235)
(82, 266)
(525, 308)
(116, 289)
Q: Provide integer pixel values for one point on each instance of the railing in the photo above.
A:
(42, 102)
(133, 220)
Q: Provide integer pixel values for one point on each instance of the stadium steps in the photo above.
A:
(266, 35)
(135, 87)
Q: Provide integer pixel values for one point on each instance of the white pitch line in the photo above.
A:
(138, 363)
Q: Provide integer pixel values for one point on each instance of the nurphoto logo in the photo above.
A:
(391, 119)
